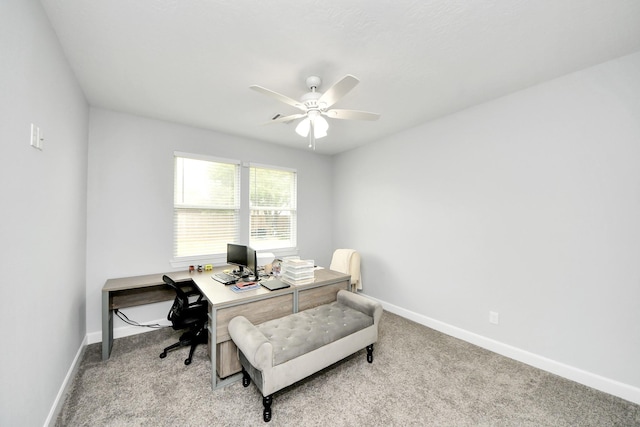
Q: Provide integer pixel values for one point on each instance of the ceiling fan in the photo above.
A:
(314, 105)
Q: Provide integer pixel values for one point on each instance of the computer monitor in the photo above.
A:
(252, 262)
(237, 255)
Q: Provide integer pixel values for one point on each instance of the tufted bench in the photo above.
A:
(280, 352)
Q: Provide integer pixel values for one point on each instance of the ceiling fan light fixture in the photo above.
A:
(303, 127)
(320, 127)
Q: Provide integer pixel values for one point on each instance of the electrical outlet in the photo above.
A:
(494, 317)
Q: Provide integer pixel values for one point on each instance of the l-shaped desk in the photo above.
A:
(258, 306)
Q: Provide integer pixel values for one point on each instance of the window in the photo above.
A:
(206, 206)
(212, 208)
(273, 208)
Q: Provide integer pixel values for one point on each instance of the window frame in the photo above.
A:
(244, 232)
(287, 250)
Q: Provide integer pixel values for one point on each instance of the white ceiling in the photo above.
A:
(192, 61)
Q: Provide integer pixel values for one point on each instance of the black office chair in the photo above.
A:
(185, 315)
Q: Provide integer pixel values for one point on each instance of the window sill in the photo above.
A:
(221, 259)
(184, 262)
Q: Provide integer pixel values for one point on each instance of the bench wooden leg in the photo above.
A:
(370, 353)
(266, 414)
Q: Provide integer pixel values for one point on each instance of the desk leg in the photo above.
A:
(216, 382)
(107, 327)
(212, 343)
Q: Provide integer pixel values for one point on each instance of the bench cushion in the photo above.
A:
(300, 333)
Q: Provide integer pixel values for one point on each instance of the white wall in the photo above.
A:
(528, 206)
(130, 199)
(43, 215)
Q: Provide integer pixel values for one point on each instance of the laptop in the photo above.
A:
(274, 284)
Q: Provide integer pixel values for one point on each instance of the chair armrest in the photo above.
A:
(360, 303)
(253, 344)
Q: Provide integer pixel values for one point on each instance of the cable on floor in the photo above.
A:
(128, 321)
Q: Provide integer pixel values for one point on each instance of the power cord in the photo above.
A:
(126, 320)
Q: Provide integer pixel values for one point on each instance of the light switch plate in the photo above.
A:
(36, 137)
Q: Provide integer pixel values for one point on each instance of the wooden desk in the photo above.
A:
(258, 305)
(130, 292)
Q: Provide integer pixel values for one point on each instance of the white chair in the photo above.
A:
(347, 261)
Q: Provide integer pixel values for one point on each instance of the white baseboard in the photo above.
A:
(71, 373)
(615, 388)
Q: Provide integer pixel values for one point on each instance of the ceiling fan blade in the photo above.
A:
(285, 119)
(338, 90)
(351, 115)
(278, 96)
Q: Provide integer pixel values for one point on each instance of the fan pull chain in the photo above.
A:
(312, 135)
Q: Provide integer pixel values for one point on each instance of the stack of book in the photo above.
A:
(245, 286)
(297, 271)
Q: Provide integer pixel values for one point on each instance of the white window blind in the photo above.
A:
(273, 204)
(206, 206)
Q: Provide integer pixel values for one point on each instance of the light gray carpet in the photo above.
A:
(419, 377)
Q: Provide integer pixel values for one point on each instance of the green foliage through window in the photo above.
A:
(273, 208)
(208, 206)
